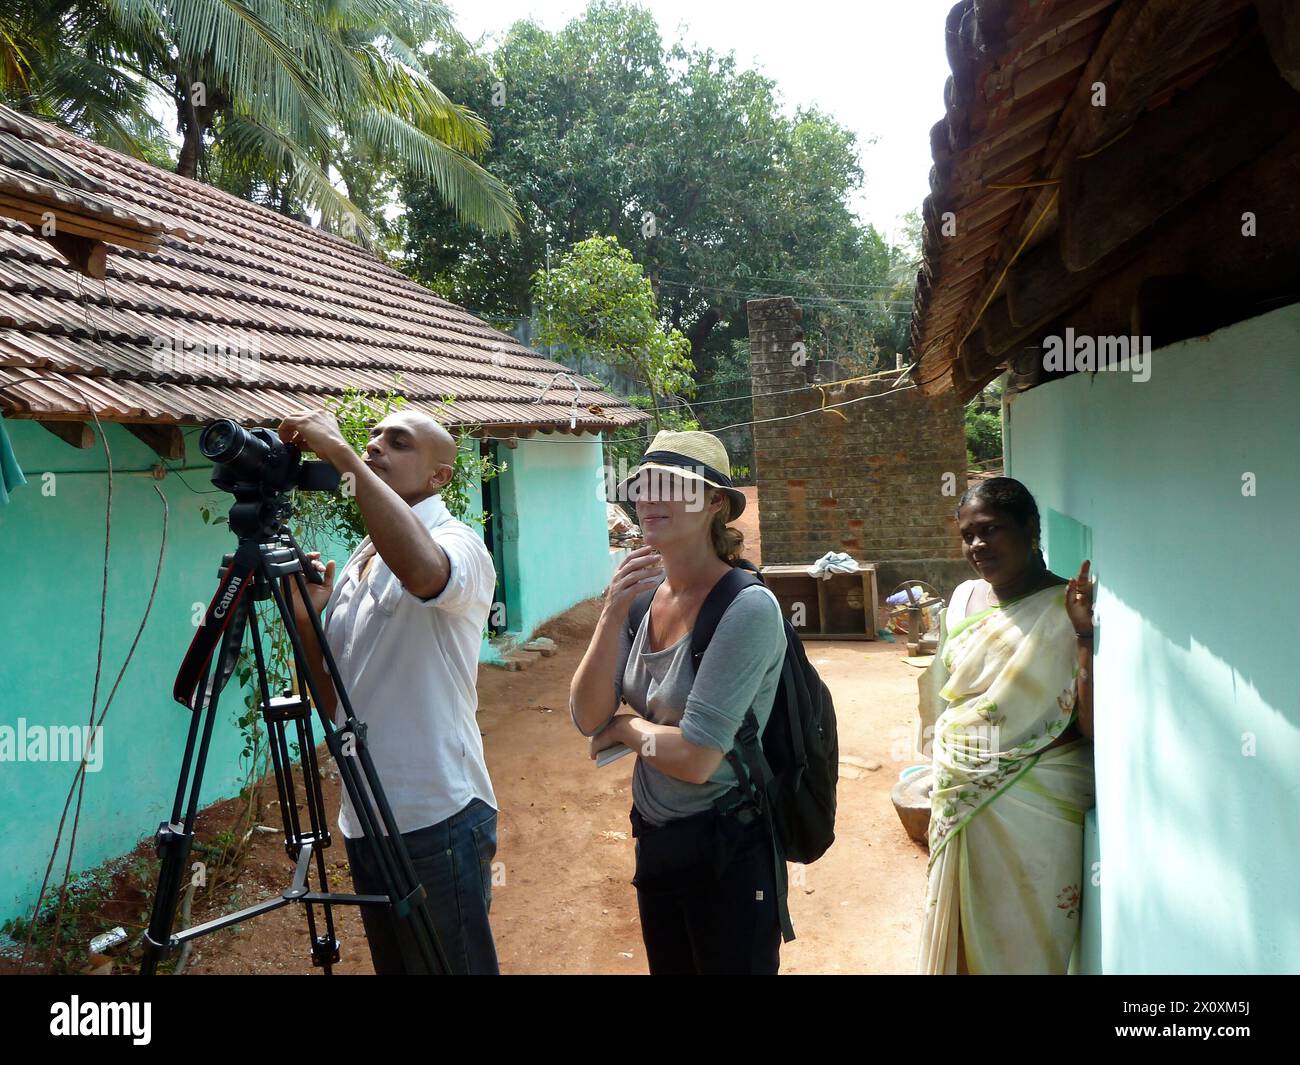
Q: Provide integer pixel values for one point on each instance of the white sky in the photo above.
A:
(878, 67)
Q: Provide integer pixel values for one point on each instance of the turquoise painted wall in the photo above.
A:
(556, 537)
(1197, 723)
(52, 549)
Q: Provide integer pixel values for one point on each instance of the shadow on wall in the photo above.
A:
(1212, 755)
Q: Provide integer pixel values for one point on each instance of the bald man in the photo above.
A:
(405, 621)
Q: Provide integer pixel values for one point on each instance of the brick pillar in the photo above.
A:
(778, 363)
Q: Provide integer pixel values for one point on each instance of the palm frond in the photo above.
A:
(409, 92)
(15, 63)
(476, 196)
(243, 48)
(245, 137)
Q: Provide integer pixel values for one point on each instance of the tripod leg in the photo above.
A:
(325, 948)
(293, 836)
(279, 748)
(176, 838)
(275, 742)
(400, 879)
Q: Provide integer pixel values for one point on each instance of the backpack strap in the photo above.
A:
(715, 604)
(755, 779)
(748, 741)
(638, 610)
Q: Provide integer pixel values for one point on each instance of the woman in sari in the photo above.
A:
(1012, 754)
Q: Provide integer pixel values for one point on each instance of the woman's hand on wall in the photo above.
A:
(1078, 600)
(1078, 604)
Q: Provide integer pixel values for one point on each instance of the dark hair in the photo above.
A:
(1009, 496)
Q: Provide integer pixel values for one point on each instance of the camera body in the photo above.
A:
(258, 458)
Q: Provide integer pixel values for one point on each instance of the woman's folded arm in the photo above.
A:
(597, 690)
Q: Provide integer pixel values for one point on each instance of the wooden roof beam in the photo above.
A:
(1142, 42)
(75, 434)
(1110, 198)
(1145, 42)
(167, 441)
(84, 254)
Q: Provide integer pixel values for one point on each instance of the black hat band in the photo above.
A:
(685, 462)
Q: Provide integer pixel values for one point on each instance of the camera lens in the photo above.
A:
(223, 440)
(229, 444)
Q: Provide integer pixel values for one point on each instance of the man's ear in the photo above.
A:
(442, 475)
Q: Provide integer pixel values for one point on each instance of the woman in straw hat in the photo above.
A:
(705, 875)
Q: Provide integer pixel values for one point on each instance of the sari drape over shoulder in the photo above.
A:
(1006, 815)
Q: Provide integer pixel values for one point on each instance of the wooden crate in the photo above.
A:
(845, 607)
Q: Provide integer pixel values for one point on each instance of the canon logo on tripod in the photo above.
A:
(226, 599)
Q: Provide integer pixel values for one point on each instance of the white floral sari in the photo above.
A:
(1006, 821)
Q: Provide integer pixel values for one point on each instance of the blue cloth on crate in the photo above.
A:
(11, 476)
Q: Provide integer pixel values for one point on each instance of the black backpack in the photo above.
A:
(791, 775)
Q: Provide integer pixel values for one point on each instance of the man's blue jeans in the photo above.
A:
(453, 860)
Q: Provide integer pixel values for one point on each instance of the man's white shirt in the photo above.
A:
(410, 667)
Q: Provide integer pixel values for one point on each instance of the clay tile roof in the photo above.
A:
(1018, 112)
(223, 309)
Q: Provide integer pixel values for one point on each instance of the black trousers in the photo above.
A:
(453, 860)
(706, 891)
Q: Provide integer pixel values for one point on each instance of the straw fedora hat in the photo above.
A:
(693, 455)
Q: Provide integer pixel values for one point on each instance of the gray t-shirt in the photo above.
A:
(740, 671)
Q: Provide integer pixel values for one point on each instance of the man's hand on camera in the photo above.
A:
(320, 593)
(314, 430)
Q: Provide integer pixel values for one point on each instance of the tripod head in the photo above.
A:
(257, 514)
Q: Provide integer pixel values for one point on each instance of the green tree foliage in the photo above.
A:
(57, 62)
(983, 435)
(688, 161)
(598, 303)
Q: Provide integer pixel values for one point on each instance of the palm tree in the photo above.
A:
(282, 87)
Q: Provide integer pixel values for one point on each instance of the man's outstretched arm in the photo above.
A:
(400, 538)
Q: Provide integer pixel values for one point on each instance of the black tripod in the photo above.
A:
(268, 553)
